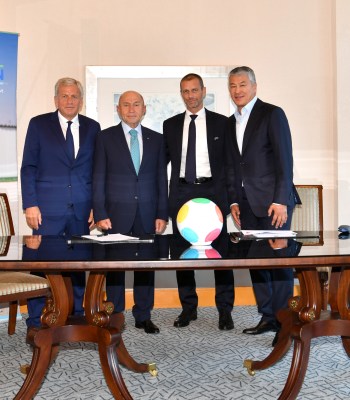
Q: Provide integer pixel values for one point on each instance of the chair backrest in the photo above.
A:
(6, 223)
(308, 216)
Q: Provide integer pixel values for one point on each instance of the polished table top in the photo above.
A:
(173, 252)
(302, 321)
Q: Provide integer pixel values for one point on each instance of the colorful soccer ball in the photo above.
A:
(194, 252)
(199, 221)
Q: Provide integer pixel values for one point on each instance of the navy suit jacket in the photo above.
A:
(220, 160)
(118, 191)
(49, 180)
(266, 164)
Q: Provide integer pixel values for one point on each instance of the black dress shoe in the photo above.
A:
(148, 326)
(225, 321)
(185, 318)
(262, 327)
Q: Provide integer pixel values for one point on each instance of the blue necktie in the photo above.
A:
(190, 171)
(70, 141)
(135, 149)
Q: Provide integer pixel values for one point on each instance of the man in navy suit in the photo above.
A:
(56, 176)
(131, 196)
(211, 180)
(262, 152)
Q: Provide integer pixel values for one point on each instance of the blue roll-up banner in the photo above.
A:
(8, 120)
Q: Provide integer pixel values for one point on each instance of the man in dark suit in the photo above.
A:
(56, 177)
(262, 152)
(210, 180)
(130, 196)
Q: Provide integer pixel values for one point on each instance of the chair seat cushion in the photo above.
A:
(17, 282)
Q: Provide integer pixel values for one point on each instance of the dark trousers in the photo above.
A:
(60, 226)
(143, 283)
(272, 287)
(186, 283)
(224, 290)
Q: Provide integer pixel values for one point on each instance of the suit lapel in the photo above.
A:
(57, 131)
(122, 144)
(210, 133)
(254, 118)
(82, 134)
(178, 137)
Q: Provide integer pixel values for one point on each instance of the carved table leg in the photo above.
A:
(42, 345)
(298, 369)
(296, 324)
(282, 346)
(99, 313)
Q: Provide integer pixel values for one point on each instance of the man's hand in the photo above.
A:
(33, 217)
(160, 226)
(32, 242)
(104, 224)
(278, 244)
(91, 221)
(235, 214)
(279, 212)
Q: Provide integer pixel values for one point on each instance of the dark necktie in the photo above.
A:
(190, 171)
(70, 141)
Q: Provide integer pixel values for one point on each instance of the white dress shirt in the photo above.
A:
(127, 129)
(242, 120)
(202, 156)
(74, 128)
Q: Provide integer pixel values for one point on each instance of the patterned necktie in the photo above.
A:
(135, 149)
(190, 171)
(70, 141)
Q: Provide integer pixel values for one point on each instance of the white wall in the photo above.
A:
(295, 48)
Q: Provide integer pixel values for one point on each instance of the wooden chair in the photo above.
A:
(308, 216)
(15, 287)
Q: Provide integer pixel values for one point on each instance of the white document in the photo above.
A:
(269, 234)
(113, 237)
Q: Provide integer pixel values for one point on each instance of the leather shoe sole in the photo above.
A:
(262, 327)
(184, 319)
(148, 326)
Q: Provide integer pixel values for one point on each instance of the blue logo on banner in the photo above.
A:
(1, 72)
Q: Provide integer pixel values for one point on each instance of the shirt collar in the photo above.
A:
(200, 113)
(63, 120)
(246, 109)
(127, 128)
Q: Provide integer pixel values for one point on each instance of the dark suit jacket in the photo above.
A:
(48, 178)
(219, 158)
(118, 191)
(266, 163)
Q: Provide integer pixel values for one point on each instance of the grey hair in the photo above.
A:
(69, 82)
(244, 70)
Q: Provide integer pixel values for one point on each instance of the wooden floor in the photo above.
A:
(168, 298)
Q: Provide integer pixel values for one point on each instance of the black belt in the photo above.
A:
(198, 181)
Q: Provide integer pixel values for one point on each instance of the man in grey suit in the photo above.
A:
(262, 153)
(130, 196)
(210, 179)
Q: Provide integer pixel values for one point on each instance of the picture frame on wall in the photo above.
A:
(160, 87)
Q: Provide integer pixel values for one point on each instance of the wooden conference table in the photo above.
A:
(303, 320)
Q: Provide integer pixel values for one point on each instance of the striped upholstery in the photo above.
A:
(6, 224)
(15, 286)
(18, 282)
(308, 216)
